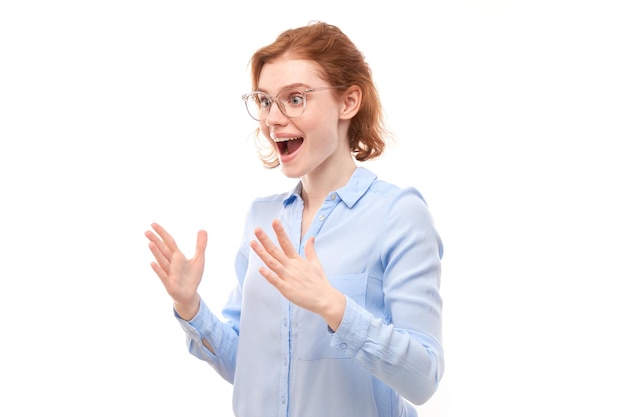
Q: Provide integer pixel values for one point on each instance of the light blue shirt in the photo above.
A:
(378, 245)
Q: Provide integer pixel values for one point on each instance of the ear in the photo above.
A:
(350, 102)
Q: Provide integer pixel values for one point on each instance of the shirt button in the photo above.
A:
(284, 322)
(343, 346)
(322, 217)
(333, 197)
(283, 399)
(285, 361)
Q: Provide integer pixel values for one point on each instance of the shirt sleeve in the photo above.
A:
(403, 349)
(221, 335)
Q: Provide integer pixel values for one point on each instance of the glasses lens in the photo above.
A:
(291, 102)
(257, 105)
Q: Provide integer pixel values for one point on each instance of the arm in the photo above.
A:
(208, 338)
(404, 350)
(213, 340)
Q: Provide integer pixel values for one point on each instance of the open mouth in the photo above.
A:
(287, 146)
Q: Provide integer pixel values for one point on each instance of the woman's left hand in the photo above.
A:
(301, 280)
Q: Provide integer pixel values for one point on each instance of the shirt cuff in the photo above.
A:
(351, 334)
(201, 325)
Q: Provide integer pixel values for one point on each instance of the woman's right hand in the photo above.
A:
(180, 276)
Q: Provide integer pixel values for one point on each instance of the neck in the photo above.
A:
(316, 186)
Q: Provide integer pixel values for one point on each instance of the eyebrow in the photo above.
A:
(294, 85)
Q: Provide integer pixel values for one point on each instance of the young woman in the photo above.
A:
(337, 310)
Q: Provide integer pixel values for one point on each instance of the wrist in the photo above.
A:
(188, 310)
(334, 311)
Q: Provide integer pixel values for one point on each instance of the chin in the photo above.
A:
(291, 171)
(290, 174)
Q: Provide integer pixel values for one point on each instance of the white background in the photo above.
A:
(508, 115)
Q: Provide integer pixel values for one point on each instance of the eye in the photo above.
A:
(294, 99)
(264, 101)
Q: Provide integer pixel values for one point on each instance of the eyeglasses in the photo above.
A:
(291, 102)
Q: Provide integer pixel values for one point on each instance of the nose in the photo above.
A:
(274, 115)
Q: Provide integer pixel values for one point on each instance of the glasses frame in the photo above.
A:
(280, 104)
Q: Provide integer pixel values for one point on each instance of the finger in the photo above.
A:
(309, 250)
(269, 247)
(283, 239)
(159, 271)
(154, 239)
(268, 259)
(272, 278)
(161, 260)
(167, 238)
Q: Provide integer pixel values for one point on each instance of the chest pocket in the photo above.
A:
(310, 332)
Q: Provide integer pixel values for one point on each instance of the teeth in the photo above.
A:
(284, 139)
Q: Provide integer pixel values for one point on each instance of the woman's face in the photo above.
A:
(314, 141)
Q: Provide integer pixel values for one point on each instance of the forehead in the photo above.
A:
(283, 72)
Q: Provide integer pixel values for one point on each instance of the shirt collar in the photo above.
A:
(350, 193)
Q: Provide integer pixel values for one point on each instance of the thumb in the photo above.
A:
(201, 242)
(309, 250)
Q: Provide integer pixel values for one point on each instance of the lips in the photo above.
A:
(287, 146)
